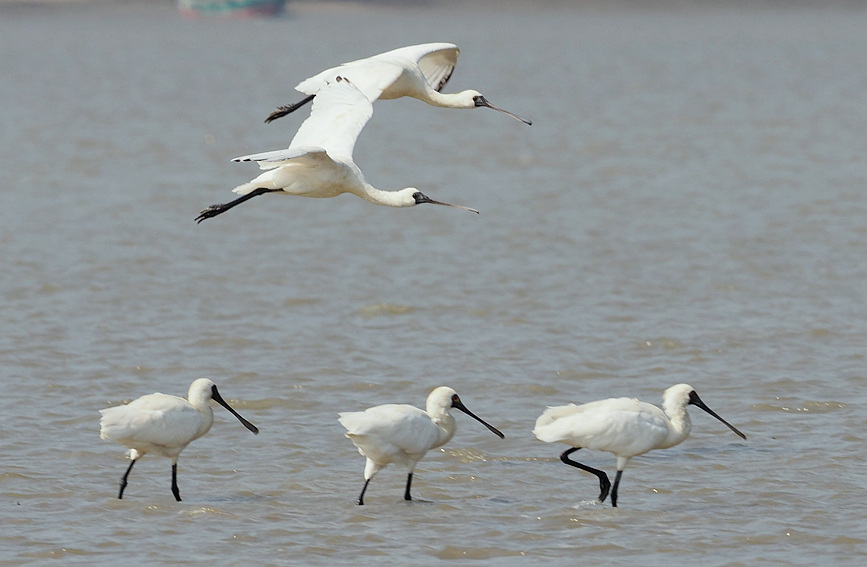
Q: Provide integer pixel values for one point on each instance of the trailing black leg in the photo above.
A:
(123, 480)
(604, 483)
(215, 210)
(406, 495)
(284, 110)
(175, 490)
(614, 490)
(361, 496)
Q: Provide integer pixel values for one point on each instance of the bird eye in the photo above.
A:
(456, 399)
(479, 100)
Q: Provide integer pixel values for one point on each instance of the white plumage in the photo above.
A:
(402, 434)
(417, 71)
(625, 427)
(163, 424)
(318, 162)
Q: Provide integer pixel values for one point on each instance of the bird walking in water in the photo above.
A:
(162, 424)
(318, 162)
(625, 427)
(402, 434)
(418, 71)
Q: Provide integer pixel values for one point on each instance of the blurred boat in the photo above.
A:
(230, 8)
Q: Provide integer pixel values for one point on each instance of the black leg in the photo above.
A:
(175, 490)
(284, 110)
(604, 483)
(614, 490)
(215, 210)
(406, 495)
(123, 480)
(361, 496)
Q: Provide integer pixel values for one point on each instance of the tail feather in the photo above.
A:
(546, 428)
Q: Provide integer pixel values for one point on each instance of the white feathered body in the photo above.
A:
(156, 423)
(626, 427)
(311, 173)
(398, 433)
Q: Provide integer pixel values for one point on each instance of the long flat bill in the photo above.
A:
(422, 198)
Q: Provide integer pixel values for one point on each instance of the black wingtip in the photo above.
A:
(284, 110)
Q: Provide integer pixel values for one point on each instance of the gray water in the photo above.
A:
(689, 206)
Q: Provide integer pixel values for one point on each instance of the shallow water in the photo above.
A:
(689, 206)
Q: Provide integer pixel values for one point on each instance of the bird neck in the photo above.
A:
(463, 99)
(680, 425)
(445, 424)
(203, 406)
(385, 198)
(207, 420)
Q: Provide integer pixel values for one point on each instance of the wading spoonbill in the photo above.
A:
(318, 161)
(418, 71)
(162, 424)
(401, 433)
(624, 426)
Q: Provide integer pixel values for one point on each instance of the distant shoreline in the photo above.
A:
(648, 5)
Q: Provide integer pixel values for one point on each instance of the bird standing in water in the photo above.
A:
(165, 425)
(625, 427)
(402, 434)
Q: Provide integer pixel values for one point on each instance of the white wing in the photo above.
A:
(381, 432)
(151, 422)
(438, 64)
(276, 158)
(624, 426)
(375, 75)
(339, 113)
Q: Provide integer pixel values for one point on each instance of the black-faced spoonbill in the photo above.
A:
(318, 161)
(624, 426)
(401, 433)
(162, 424)
(418, 71)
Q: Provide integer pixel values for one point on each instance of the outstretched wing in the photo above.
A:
(276, 158)
(373, 75)
(339, 113)
(438, 64)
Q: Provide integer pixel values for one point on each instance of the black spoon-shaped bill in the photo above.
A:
(215, 395)
(457, 404)
(421, 198)
(696, 401)
(482, 101)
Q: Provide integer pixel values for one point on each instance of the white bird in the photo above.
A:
(318, 162)
(625, 427)
(401, 433)
(418, 71)
(162, 424)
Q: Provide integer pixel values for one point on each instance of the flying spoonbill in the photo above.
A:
(624, 426)
(162, 424)
(318, 161)
(401, 433)
(418, 71)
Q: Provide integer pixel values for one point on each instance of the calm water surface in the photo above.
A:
(689, 206)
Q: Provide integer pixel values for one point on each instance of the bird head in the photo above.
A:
(682, 395)
(201, 390)
(443, 398)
